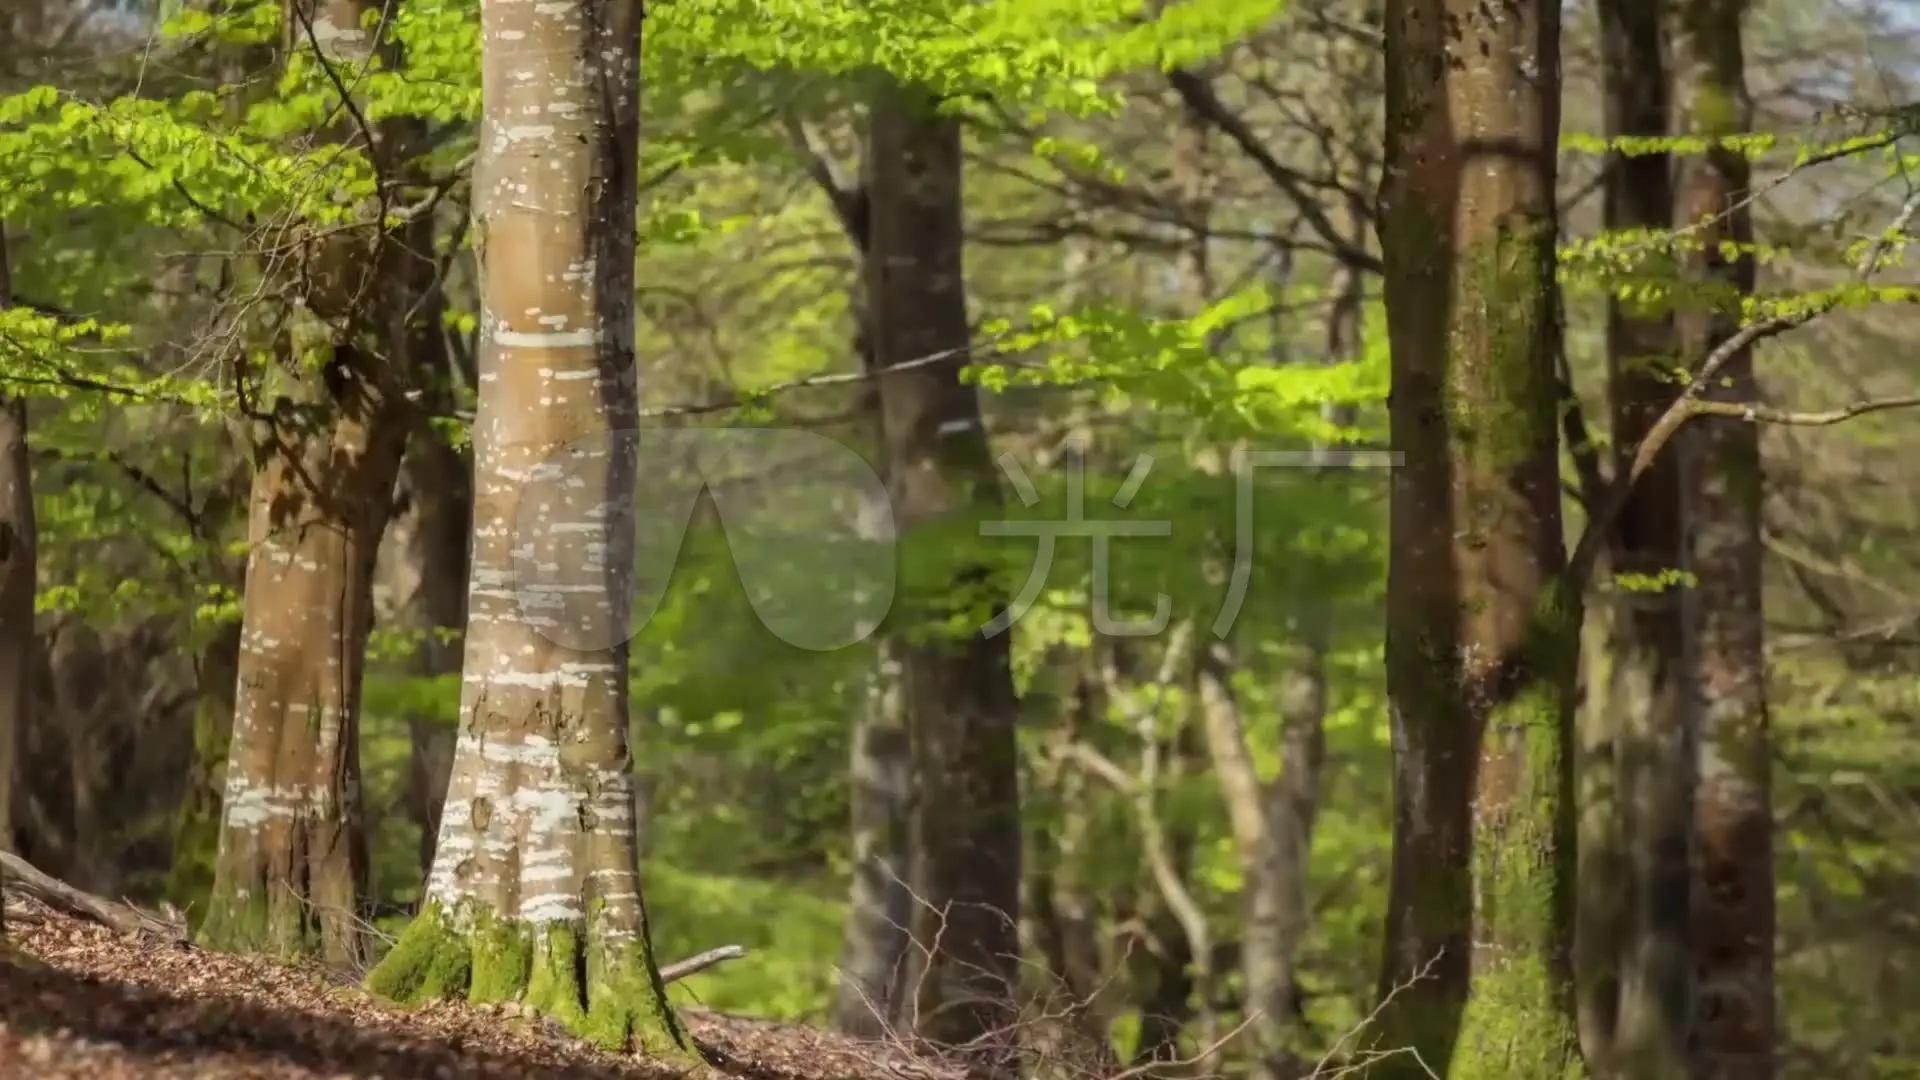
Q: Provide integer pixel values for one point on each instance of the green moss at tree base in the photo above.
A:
(628, 1003)
(244, 918)
(1516, 1028)
(619, 1006)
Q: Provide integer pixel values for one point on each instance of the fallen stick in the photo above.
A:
(28, 880)
(694, 965)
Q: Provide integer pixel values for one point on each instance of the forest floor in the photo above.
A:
(82, 1000)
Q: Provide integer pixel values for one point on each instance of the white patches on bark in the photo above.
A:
(518, 815)
(540, 821)
(251, 804)
(547, 339)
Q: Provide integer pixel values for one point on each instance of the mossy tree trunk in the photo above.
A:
(19, 570)
(1734, 885)
(958, 690)
(1481, 638)
(292, 862)
(1637, 768)
(535, 892)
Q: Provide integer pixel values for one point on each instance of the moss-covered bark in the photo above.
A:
(602, 986)
(1482, 643)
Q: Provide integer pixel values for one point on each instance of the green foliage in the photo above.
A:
(144, 204)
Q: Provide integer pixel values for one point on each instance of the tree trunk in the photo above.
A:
(1481, 641)
(1170, 969)
(535, 893)
(1634, 880)
(439, 476)
(196, 831)
(1734, 888)
(958, 691)
(18, 578)
(292, 863)
(867, 995)
(1294, 797)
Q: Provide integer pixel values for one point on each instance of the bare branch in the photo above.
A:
(28, 880)
(1199, 96)
(1767, 414)
(699, 962)
(847, 195)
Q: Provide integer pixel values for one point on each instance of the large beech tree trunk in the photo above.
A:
(958, 691)
(1481, 640)
(1733, 888)
(292, 861)
(535, 892)
(1637, 821)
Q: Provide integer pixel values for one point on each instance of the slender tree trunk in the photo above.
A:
(1294, 797)
(1481, 641)
(1266, 877)
(1734, 1017)
(196, 832)
(292, 864)
(1635, 908)
(439, 476)
(958, 691)
(535, 893)
(867, 994)
(1173, 971)
(19, 539)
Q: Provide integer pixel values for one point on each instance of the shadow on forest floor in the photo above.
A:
(80, 1000)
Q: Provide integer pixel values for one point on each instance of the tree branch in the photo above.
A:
(1199, 96)
(24, 878)
(1689, 403)
(848, 196)
(694, 965)
(1754, 412)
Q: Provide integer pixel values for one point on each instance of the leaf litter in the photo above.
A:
(81, 1001)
